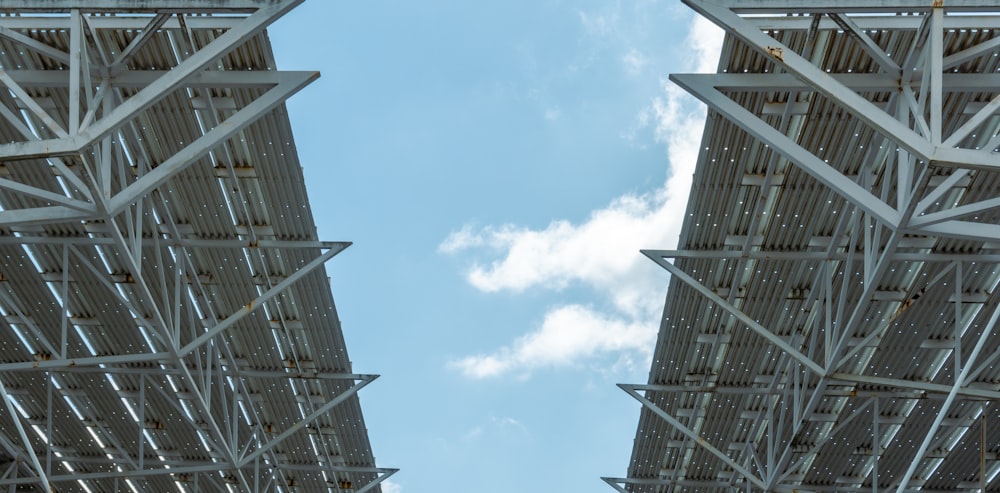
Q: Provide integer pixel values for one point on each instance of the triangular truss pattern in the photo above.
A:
(165, 320)
(831, 322)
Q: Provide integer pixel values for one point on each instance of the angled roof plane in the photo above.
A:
(166, 323)
(830, 324)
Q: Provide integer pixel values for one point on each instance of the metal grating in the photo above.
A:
(830, 323)
(166, 323)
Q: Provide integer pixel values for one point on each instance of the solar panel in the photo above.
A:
(830, 323)
(167, 323)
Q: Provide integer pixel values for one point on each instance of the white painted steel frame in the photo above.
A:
(93, 212)
(926, 140)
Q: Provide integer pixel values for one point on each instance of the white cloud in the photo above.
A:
(461, 240)
(473, 434)
(390, 486)
(504, 425)
(599, 24)
(602, 252)
(508, 421)
(634, 61)
(705, 39)
(567, 334)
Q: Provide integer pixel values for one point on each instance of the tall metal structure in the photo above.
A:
(831, 320)
(166, 323)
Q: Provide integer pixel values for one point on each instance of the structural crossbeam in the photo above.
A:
(164, 266)
(851, 155)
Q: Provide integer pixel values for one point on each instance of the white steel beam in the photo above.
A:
(927, 148)
(934, 68)
(32, 455)
(137, 6)
(871, 21)
(41, 194)
(740, 315)
(289, 83)
(193, 467)
(957, 229)
(978, 119)
(927, 387)
(125, 21)
(133, 79)
(970, 53)
(819, 80)
(34, 45)
(117, 199)
(952, 393)
(27, 238)
(940, 190)
(871, 48)
(76, 65)
(841, 424)
(56, 364)
(810, 255)
(197, 62)
(43, 116)
(787, 147)
(853, 6)
(151, 94)
(256, 303)
(44, 215)
(674, 422)
(955, 212)
(915, 121)
(619, 484)
(264, 447)
(201, 146)
(147, 32)
(777, 82)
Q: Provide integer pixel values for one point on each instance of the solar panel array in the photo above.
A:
(166, 323)
(830, 323)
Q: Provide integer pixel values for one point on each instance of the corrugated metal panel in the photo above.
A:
(266, 374)
(731, 386)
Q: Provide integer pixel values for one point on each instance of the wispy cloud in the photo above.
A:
(390, 486)
(599, 23)
(507, 421)
(634, 61)
(601, 252)
(567, 334)
(505, 425)
(473, 434)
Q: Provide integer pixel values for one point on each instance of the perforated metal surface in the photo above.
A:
(830, 320)
(167, 324)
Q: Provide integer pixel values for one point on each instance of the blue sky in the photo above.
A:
(498, 167)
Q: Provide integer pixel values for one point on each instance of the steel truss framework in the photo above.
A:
(165, 320)
(831, 317)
